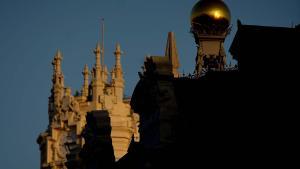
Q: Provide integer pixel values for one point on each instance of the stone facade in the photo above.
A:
(67, 113)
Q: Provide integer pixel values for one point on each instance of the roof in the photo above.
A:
(254, 34)
(265, 48)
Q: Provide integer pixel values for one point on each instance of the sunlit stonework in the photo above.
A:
(67, 112)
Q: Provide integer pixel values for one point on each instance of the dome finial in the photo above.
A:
(211, 12)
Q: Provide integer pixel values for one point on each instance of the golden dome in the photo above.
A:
(215, 9)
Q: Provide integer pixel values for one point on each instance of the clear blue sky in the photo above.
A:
(32, 30)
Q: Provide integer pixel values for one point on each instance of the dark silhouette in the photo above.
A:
(223, 118)
(97, 152)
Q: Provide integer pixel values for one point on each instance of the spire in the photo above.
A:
(118, 81)
(98, 67)
(57, 90)
(118, 48)
(86, 69)
(171, 52)
(85, 87)
(57, 62)
(97, 53)
(102, 48)
(118, 66)
(97, 80)
(58, 54)
(57, 72)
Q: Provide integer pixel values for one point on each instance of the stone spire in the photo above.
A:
(98, 85)
(57, 91)
(97, 52)
(98, 67)
(85, 87)
(58, 78)
(118, 66)
(118, 80)
(171, 53)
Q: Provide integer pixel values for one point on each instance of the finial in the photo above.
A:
(98, 48)
(57, 61)
(118, 49)
(86, 69)
(58, 54)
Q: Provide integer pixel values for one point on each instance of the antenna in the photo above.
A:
(102, 47)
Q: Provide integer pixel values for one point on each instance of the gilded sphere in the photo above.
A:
(210, 11)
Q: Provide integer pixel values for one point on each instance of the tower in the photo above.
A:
(60, 145)
(210, 20)
(64, 122)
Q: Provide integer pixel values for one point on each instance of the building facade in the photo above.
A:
(203, 119)
(67, 113)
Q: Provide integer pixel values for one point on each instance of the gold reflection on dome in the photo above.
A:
(217, 14)
(216, 9)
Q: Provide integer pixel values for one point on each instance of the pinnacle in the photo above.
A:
(58, 54)
(171, 49)
(98, 48)
(118, 49)
(86, 68)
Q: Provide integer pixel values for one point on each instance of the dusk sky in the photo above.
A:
(32, 30)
